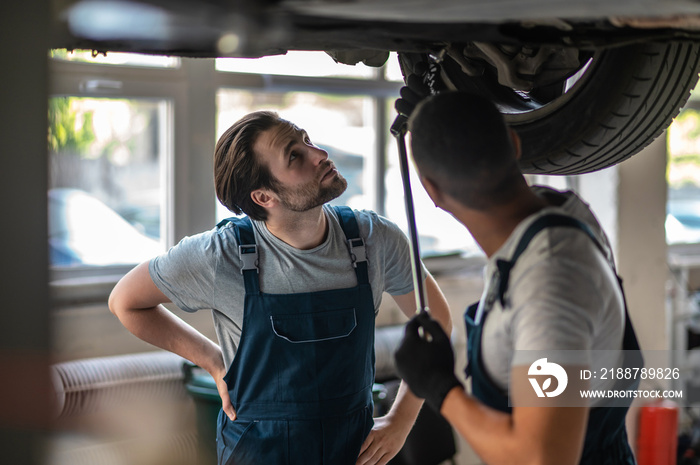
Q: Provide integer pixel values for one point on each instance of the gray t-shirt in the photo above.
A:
(562, 295)
(204, 271)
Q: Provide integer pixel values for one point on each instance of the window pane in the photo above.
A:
(105, 185)
(116, 58)
(438, 232)
(318, 64)
(392, 69)
(683, 208)
(343, 126)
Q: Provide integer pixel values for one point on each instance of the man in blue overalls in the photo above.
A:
(550, 287)
(293, 287)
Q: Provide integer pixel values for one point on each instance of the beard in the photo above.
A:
(312, 194)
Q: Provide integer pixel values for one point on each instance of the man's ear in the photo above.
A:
(433, 190)
(264, 198)
(517, 146)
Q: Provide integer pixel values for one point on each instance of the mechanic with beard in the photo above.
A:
(551, 288)
(294, 288)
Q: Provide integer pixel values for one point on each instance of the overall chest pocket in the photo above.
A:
(315, 327)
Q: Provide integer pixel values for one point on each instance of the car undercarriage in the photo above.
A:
(585, 84)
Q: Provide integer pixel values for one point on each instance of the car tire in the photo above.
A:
(624, 98)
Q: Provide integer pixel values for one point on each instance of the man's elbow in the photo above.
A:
(113, 302)
(118, 301)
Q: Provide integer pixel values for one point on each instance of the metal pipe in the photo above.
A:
(398, 129)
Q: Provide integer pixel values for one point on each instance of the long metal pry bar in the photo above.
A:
(398, 130)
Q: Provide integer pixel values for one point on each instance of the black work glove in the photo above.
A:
(426, 361)
(422, 82)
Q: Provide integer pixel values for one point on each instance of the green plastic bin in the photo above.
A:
(202, 387)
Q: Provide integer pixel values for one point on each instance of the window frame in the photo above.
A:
(88, 80)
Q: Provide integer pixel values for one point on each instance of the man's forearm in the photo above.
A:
(137, 302)
(488, 431)
(158, 326)
(439, 308)
(535, 435)
(406, 407)
(161, 328)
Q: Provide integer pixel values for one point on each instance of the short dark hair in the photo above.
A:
(461, 142)
(238, 171)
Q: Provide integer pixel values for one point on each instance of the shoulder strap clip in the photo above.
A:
(248, 254)
(358, 253)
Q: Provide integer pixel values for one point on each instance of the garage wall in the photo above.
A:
(642, 257)
(24, 337)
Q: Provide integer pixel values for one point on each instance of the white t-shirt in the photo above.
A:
(562, 295)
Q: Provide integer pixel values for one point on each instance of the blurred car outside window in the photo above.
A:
(85, 231)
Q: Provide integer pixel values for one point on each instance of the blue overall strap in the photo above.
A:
(356, 245)
(247, 251)
(545, 221)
